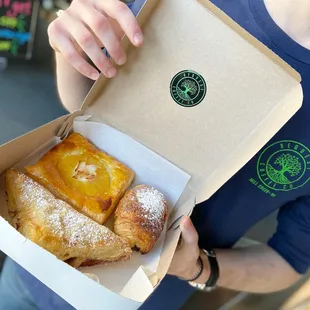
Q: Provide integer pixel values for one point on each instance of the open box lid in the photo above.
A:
(241, 91)
(250, 95)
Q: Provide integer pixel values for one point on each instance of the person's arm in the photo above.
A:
(256, 269)
(78, 35)
(259, 268)
(71, 84)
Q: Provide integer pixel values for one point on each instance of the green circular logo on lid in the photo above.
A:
(188, 88)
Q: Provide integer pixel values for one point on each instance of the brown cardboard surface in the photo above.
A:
(147, 10)
(19, 148)
(252, 40)
(251, 95)
(251, 92)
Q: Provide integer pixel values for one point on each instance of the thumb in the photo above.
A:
(189, 233)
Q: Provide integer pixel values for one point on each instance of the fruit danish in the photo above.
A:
(88, 179)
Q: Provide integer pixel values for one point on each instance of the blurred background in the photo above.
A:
(28, 99)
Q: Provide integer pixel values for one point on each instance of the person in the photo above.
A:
(249, 196)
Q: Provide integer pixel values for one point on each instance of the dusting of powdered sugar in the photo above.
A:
(152, 202)
(65, 222)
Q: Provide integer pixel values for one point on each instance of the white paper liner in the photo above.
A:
(150, 168)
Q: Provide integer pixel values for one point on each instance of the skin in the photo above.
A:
(293, 17)
(102, 23)
(246, 269)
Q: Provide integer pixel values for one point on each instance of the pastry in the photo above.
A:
(140, 217)
(57, 227)
(88, 179)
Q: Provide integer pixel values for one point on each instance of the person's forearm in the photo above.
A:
(72, 86)
(256, 269)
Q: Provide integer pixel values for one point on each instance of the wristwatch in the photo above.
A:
(210, 285)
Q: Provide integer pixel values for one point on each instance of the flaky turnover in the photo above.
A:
(57, 227)
(88, 179)
(140, 217)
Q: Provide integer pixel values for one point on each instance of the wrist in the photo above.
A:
(205, 275)
(193, 271)
(199, 272)
(210, 275)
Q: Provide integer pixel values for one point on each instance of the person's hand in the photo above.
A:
(184, 263)
(87, 26)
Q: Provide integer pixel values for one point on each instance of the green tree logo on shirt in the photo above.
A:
(289, 165)
(284, 165)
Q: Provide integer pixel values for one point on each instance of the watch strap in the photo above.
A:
(214, 268)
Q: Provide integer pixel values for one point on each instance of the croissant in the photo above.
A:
(88, 179)
(140, 217)
(57, 227)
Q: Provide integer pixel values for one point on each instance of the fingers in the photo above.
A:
(189, 233)
(86, 40)
(90, 25)
(65, 46)
(125, 18)
(184, 262)
(102, 28)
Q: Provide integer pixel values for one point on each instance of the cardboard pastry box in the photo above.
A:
(201, 97)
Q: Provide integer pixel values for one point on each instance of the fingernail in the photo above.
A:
(94, 76)
(138, 38)
(184, 222)
(111, 72)
(121, 60)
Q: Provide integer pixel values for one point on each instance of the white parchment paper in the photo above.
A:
(140, 271)
(151, 169)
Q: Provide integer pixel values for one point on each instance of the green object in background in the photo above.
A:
(17, 27)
